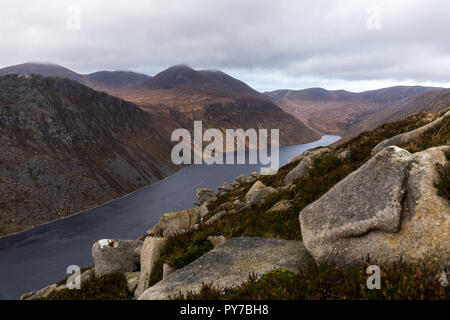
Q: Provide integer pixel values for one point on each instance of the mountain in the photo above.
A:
(337, 111)
(102, 80)
(429, 101)
(66, 147)
(217, 99)
(179, 95)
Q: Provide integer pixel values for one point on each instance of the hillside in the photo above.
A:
(180, 94)
(433, 101)
(66, 148)
(308, 232)
(338, 111)
(217, 99)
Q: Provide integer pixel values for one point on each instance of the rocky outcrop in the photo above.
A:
(387, 210)
(406, 137)
(306, 159)
(151, 251)
(231, 264)
(115, 256)
(172, 223)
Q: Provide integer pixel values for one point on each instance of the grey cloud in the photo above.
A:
(281, 41)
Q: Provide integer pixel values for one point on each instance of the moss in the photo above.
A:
(330, 282)
(108, 287)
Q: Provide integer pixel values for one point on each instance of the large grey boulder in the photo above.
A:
(405, 137)
(115, 256)
(387, 210)
(230, 264)
(307, 160)
(151, 251)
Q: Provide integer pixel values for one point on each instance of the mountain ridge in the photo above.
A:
(337, 111)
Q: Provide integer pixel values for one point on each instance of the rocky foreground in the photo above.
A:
(356, 202)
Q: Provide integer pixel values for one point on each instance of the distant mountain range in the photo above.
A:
(338, 111)
(179, 95)
(430, 101)
(102, 80)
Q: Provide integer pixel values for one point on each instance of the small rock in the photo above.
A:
(203, 211)
(43, 293)
(216, 240)
(225, 187)
(282, 205)
(259, 196)
(216, 217)
(307, 160)
(243, 178)
(257, 185)
(177, 221)
(205, 195)
(238, 204)
(255, 174)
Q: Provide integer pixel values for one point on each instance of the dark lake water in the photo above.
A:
(40, 256)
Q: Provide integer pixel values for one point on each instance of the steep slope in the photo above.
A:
(432, 101)
(407, 238)
(217, 99)
(65, 147)
(337, 111)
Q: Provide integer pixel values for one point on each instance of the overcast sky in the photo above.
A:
(354, 45)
